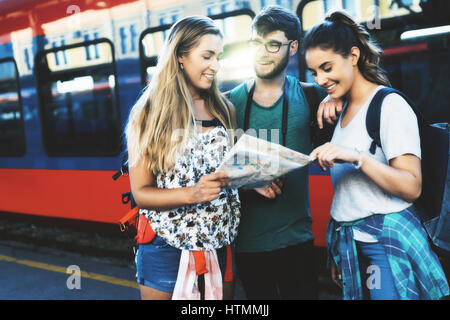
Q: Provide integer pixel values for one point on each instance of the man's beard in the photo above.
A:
(277, 70)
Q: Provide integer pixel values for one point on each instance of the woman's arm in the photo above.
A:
(401, 178)
(148, 196)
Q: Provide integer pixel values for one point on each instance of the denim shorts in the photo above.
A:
(157, 264)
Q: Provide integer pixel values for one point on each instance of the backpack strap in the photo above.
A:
(123, 166)
(373, 116)
(318, 136)
(227, 94)
(311, 96)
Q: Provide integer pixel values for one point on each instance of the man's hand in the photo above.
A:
(272, 190)
(336, 275)
(329, 110)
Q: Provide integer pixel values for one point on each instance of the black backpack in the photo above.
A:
(433, 205)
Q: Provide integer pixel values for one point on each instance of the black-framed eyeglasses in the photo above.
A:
(271, 46)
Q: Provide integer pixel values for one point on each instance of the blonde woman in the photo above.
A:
(177, 135)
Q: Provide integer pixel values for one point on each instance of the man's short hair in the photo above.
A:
(273, 18)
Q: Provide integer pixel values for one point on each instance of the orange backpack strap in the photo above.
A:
(124, 221)
(229, 266)
(200, 262)
(145, 233)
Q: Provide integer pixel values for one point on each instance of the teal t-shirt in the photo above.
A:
(267, 224)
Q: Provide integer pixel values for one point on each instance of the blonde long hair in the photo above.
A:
(162, 119)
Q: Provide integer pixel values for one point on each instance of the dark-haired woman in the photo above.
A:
(378, 247)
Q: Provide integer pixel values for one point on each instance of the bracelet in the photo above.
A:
(359, 164)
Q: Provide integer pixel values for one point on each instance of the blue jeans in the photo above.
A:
(376, 274)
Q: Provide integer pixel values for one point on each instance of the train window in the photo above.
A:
(12, 136)
(151, 42)
(235, 63)
(312, 12)
(420, 69)
(78, 99)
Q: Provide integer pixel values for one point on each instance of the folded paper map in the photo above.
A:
(254, 162)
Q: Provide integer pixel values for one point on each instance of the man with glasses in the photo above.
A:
(275, 250)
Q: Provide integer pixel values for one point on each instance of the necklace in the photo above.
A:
(209, 123)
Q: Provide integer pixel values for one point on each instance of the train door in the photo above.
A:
(12, 136)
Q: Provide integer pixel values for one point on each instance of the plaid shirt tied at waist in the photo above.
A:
(415, 267)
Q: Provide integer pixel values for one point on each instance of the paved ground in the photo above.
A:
(54, 260)
(30, 273)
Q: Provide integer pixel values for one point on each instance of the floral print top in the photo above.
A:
(206, 226)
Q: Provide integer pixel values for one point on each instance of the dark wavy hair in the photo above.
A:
(340, 33)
